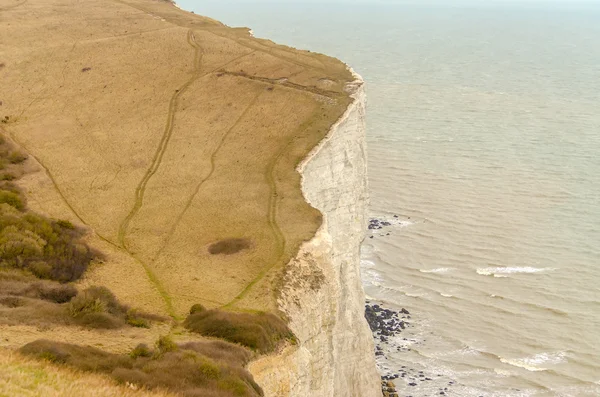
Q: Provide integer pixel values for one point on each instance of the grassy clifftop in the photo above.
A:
(152, 178)
(165, 133)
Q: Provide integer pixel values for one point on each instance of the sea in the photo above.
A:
(483, 131)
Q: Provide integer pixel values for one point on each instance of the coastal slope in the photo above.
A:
(178, 144)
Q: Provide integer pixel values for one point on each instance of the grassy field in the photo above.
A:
(165, 133)
(150, 153)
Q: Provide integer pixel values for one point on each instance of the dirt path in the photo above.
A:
(13, 6)
(162, 146)
(156, 161)
(207, 177)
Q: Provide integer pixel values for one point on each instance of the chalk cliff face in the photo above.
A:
(322, 294)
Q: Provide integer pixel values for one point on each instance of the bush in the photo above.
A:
(97, 307)
(138, 322)
(260, 332)
(165, 344)
(11, 301)
(16, 157)
(141, 350)
(13, 199)
(86, 358)
(49, 302)
(186, 372)
(84, 304)
(65, 224)
(53, 292)
(197, 308)
(41, 269)
(101, 320)
(105, 296)
(234, 355)
(7, 176)
(30, 241)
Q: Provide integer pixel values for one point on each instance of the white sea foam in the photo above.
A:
(437, 270)
(367, 264)
(536, 362)
(503, 271)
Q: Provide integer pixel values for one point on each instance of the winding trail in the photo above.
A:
(13, 6)
(156, 161)
(279, 240)
(213, 157)
(162, 146)
(278, 235)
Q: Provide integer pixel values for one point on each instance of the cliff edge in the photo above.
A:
(322, 294)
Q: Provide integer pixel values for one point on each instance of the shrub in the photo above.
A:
(13, 199)
(234, 355)
(141, 350)
(30, 241)
(184, 371)
(7, 176)
(86, 358)
(97, 307)
(134, 319)
(65, 224)
(260, 331)
(11, 301)
(41, 269)
(105, 296)
(84, 304)
(165, 344)
(53, 292)
(101, 320)
(17, 157)
(197, 308)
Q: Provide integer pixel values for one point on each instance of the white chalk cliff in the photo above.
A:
(323, 296)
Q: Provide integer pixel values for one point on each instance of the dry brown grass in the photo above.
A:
(24, 377)
(24, 299)
(181, 133)
(174, 140)
(188, 369)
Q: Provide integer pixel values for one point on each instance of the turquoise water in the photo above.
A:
(484, 139)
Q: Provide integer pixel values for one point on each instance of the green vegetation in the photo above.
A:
(24, 299)
(211, 369)
(260, 331)
(32, 242)
(50, 249)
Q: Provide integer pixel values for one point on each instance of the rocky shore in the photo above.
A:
(388, 326)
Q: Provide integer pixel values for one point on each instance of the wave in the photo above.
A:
(437, 270)
(503, 271)
(534, 363)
